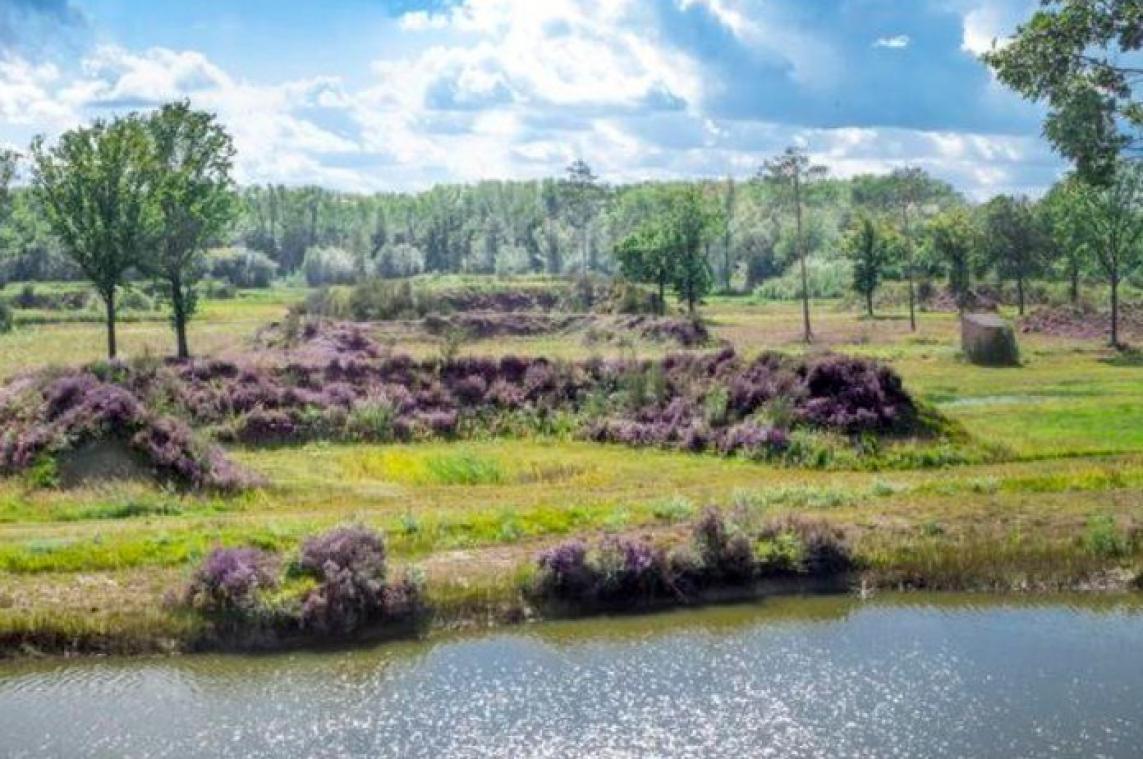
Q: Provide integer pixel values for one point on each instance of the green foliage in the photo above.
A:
(867, 248)
(1015, 243)
(329, 266)
(952, 241)
(96, 189)
(1076, 55)
(825, 278)
(193, 195)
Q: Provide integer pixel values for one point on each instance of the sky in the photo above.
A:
(376, 95)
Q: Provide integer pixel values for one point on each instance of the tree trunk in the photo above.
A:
(179, 309)
(909, 267)
(1020, 295)
(869, 303)
(1073, 292)
(662, 306)
(808, 334)
(1115, 311)
(109, 303)
(726, 263)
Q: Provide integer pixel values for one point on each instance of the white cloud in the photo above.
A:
(988, 21)
(510, 88)
(894, 43)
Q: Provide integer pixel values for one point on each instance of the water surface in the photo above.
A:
(896, 676)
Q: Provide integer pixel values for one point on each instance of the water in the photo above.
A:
(914, 676)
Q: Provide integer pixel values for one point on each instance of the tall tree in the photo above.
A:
(8, 159)
(1077, 56)
(194, 195)
(581, 200)
(952, 239)
(791, 174)
(1064, 235)
(728, 200)
(1014, 243)
(1112, 217)
(866, 246)
(909, 191)
(648, 255)
(95, 188)
(692, 223)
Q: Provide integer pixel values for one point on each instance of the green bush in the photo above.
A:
(827, 278)
(329, 266)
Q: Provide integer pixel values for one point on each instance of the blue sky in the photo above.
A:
(399, 94)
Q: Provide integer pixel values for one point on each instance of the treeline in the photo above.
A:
(790, 231)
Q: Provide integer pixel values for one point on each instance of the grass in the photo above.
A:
(1060, 506)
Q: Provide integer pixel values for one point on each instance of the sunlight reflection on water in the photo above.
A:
(814, 677)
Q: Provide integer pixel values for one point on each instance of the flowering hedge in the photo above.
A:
(720, 554)
(338, 384)
(349, 588)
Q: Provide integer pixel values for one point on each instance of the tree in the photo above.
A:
(790, 174)
(1112, 219)
(728, 199)
(866, 246)
(952, 241)
(1064, 235)
(581, 203)
(909, 191)
(8, 159)
(1014, 241)
(95, 188)
(1072, 54)
(194, 196)
(691, 226)
(647, 255)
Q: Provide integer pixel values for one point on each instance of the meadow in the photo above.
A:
(1052, 497)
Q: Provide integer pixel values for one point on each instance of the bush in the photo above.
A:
(398, 260)
(134, 300)
(329, 266)
(720, 554)
(241, 267)
(229, 579)
(350, 565)
(826, 278)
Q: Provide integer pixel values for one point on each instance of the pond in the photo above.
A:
(821, 676)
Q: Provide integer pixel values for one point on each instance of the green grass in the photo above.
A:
(1048, 492)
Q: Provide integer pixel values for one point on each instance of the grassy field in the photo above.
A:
(1063, 504)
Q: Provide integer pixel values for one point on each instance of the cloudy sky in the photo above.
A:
(400, 94)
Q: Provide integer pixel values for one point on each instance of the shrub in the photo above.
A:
(827, 278)
(134, 300)
(564, 572)
(241, 267)
(398, 260)
(349, 564)
(821, 547)
(329, 266)
(725, 552)
(229, 579)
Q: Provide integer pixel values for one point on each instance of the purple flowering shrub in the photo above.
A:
(229, 579)
(353, 590)
(73, 409)
(338, 384)
(719, 554)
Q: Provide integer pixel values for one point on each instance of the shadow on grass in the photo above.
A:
(1127, 357)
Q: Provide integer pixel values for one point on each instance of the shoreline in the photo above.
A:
(175, 633)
